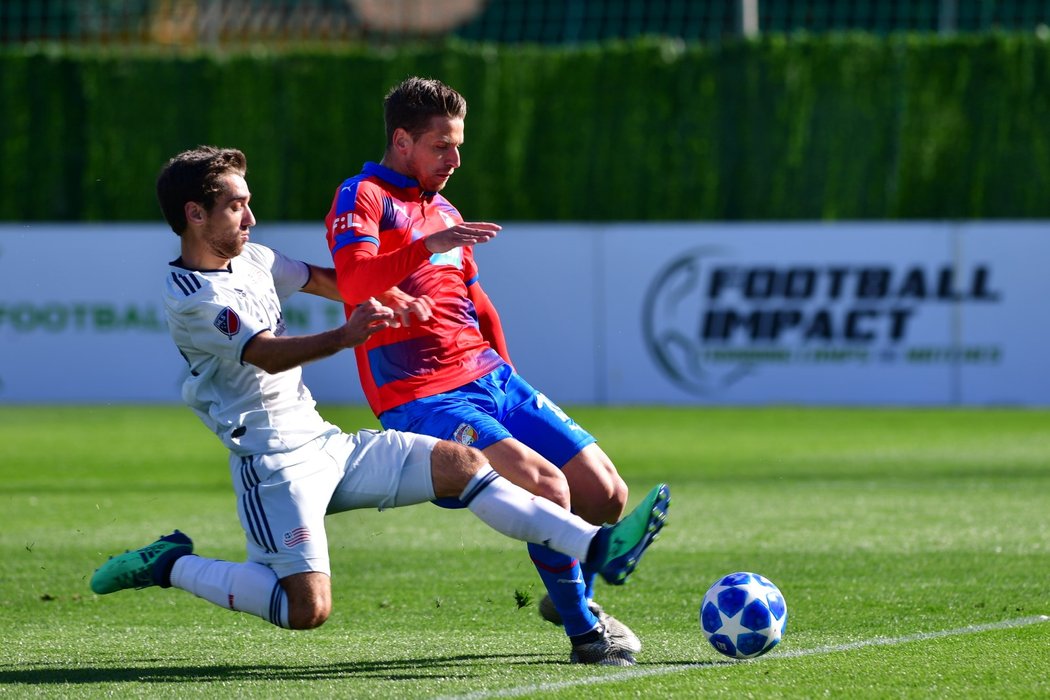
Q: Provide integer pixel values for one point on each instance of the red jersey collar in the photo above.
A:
(404, 182)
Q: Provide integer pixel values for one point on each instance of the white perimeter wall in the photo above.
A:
(736, 314)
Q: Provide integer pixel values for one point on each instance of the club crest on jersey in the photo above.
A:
(465, 434)
(296, 536)
(228, 322)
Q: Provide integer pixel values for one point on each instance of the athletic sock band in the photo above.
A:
(484, 476)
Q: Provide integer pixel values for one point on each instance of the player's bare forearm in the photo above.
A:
(323, 283)
(275, 354)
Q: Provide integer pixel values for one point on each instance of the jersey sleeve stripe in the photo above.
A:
(187, 283)
(344, 239)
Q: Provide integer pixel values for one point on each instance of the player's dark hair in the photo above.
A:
(415, 101)
(195, 176)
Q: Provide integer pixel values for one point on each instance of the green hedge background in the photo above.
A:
(831, 127)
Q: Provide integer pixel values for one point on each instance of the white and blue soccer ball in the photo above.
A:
(743, 615)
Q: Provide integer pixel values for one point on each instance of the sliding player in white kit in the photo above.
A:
(289, 466)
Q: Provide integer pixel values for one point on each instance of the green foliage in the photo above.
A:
(974, 134)
(878, 525)
(838, 126)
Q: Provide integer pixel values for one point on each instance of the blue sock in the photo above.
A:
(589, 572)
(563, 578)
(589, 577)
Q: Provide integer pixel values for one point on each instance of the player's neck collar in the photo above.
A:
(178, 262)
(395, 178)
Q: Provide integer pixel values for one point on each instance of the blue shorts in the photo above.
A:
(495, 407)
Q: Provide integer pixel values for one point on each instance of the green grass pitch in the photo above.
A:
(912, 547)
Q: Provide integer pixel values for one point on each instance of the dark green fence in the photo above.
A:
(831, 127)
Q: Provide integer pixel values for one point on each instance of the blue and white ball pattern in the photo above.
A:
(743, 615)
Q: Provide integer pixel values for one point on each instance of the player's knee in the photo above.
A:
(604, 501)
(308, 614)
(617, 501)
(554, 488)
(309, 597)
(452, 467)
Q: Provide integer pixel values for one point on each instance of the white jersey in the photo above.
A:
(212, 315)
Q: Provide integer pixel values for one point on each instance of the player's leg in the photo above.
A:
(562, 576)
(309, 599)
(599, 494)
(523, 466)
(281, 502)
(298, 601)
(612, 550)
(465, 473)
(467, 415)
(394, 468)
(170, 562)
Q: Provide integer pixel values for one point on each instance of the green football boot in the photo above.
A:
(142, 568)
(622, 545)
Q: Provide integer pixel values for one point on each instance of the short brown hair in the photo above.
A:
(195, 176)
(411, 104)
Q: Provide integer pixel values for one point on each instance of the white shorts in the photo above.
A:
(282, 499)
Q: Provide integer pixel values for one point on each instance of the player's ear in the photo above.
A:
(195, 213)
(402, 139)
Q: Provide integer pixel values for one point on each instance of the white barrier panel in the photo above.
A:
(856, 314)
(915, 313)
(808, 313)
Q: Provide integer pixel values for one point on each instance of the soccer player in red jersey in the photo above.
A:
(290, 468)
(452, 377)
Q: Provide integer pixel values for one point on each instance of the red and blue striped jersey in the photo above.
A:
(375, 229)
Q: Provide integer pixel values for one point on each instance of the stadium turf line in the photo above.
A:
(646, 672)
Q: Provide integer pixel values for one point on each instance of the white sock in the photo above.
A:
(514, 512)
(243, 586)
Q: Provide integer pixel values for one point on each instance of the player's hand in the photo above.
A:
(467, 233)
(367, 319)
(405, 306)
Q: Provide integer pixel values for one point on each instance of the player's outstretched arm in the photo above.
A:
(467, 233)
(406, 307)
(276, 354)
(322, 283)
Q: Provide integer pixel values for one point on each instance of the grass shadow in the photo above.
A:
(445, 667)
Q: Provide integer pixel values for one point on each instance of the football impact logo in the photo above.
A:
(673, 304)
(711, 321)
